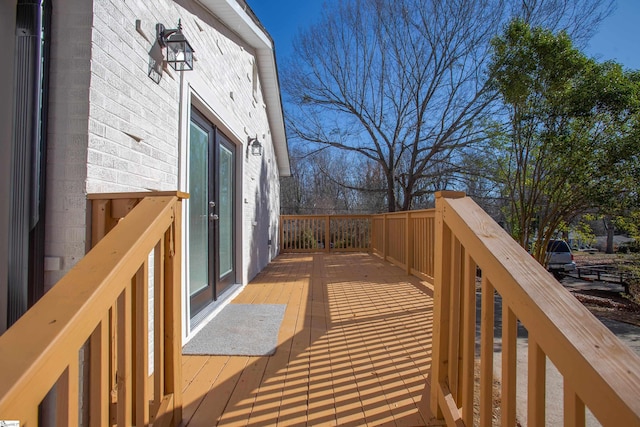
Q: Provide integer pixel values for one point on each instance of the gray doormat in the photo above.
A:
(240, 330)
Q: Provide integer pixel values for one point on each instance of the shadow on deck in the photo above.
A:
(354, 349)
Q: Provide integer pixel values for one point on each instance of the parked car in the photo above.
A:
(559, 258)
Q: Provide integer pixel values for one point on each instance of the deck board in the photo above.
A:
(353, 349)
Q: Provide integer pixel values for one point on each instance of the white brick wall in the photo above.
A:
(133, 132)
(114, 129)
(68, 125)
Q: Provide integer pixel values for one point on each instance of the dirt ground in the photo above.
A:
(602, 299)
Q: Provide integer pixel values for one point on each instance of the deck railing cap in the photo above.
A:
(450, 194)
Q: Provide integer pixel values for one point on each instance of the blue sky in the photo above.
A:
(618, 37)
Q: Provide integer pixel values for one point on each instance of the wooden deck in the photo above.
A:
(354, 349)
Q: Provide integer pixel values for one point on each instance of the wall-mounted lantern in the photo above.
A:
(179, 51)
(254, 146)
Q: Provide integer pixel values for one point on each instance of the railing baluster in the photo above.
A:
(296, 235)
(421, 244)
(301, 240)
(454, 317)
(141, 345)
(431, 254)
(158, 327)
(67, 394)
(290, 235)
(486, 352)
(468, 339)
(297, 239)
(509, 366)
(124, 353)
(353, 236)
(574, 413)
(327, 234)
(113, 362)
(536, 384)
(286, 234)
(344, 238)
(99, 396)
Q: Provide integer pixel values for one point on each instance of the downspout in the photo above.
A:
(25, 146)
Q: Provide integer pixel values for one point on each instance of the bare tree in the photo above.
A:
(404, 83)
(321, 183)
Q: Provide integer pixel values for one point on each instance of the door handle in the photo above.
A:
(213, 217)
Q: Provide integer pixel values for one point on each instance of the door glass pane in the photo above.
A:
(226, 211)
(198, 209)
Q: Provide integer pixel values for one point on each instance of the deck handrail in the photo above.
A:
(402, 238)
(598, 370)
(406, 239)
(103, 300)
(324, 233)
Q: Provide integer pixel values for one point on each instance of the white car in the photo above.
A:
(559, 258)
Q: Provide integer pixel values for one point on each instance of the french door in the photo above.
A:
(211, 213)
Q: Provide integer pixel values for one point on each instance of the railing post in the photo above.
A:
(172, 326)
(441, 298)
(408, 242)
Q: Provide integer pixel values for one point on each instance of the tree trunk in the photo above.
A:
(610, 232)
(391, 195)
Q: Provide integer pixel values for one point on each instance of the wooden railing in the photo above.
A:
(407, 240)
(404, 238)
(101, 308)
(598, 370)
(313, 233)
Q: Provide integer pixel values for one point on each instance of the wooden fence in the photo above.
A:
(313, 233)
(407, 240)
(598, 370)
(103, 304)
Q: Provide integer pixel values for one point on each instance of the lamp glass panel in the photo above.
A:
(180, 55)
(256, 148)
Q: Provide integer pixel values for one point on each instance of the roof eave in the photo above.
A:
(241, 20)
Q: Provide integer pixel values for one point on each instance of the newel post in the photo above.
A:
(441, 300)
(172, 312)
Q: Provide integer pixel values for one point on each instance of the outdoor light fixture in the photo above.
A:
(179, 51)
(255, 146)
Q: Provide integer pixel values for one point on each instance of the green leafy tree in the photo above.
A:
(567, 142)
